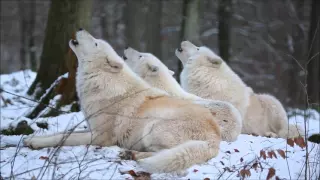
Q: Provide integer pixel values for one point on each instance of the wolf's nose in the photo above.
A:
(80, 29)
(180, 49)
(126, 47)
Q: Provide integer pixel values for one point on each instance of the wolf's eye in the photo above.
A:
(96, 44)
(197, 49)
(140, 56)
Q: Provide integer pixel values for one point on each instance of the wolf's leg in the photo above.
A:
(66, 132)
(271, 135)
(66, 139)
(134, 155)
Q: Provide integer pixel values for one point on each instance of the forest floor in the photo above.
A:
(253, 156)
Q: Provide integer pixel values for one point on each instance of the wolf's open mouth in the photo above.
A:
(74, 42)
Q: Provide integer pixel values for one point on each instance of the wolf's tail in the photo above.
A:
(181, 157)
(291, 132)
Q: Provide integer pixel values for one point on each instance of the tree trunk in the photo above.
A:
(134, 20)
(31, 24)
(189, 25)
(313, 66)
(23, 34)
(297, 96)
(65, 16)
(153, 28)
(224, 15)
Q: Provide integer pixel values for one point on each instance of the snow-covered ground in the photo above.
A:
(245, 156)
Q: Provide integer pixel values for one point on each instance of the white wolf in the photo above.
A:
(207, 75)
(154, 72)
(122, 109)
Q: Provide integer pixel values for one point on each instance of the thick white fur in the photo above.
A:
(262, 114)
(211, 81)
(267, 117)
(154, 72)
(122, 109)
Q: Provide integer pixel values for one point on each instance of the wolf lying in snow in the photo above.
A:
(122, 109)
(208, 76)
(154, 72)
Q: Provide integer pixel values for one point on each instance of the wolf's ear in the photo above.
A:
(215, 61)
(171, 72)
(130, 51)
(154, 69)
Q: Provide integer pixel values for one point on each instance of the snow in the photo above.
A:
(91, 162)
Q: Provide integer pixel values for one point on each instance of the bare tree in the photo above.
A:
(65, 17)
(224, 15)
(189, 25)
(135, 21)
(23, 33)
(153, 28)
(313, 79)
(31, 41)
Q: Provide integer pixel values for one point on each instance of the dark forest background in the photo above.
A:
(272, 44)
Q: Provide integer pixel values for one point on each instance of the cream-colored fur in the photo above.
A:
(207, 75)
(122, 109)
(154, 72)
(267, 117)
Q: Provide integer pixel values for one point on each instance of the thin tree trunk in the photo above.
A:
(65, 16)
(297, 96)
(23, 34)
(189, 25)
(134, 20)
(153, 28)
(224, 14)
(313, 79)
(31, 24)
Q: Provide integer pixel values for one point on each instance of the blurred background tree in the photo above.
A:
(263, 41)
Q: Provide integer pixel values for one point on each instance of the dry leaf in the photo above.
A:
(281, 153)
(270, 155)
(132, 173)
(271, 173)
(300, 142)
(138, 175)
(33, 178)
(274, 154)
(245, 173)
(206, 179)
(195, 170)
(248, 173)
(263, 154)
(290, 142)
(236, 150)
(242, 173)
(44, 157)
(142, 176)
(241, 159)
(255, 166)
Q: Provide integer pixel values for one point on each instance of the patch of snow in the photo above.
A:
(91, 162)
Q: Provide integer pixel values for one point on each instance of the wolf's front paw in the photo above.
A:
(127, 155)
(271, 135)
(31, 143)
